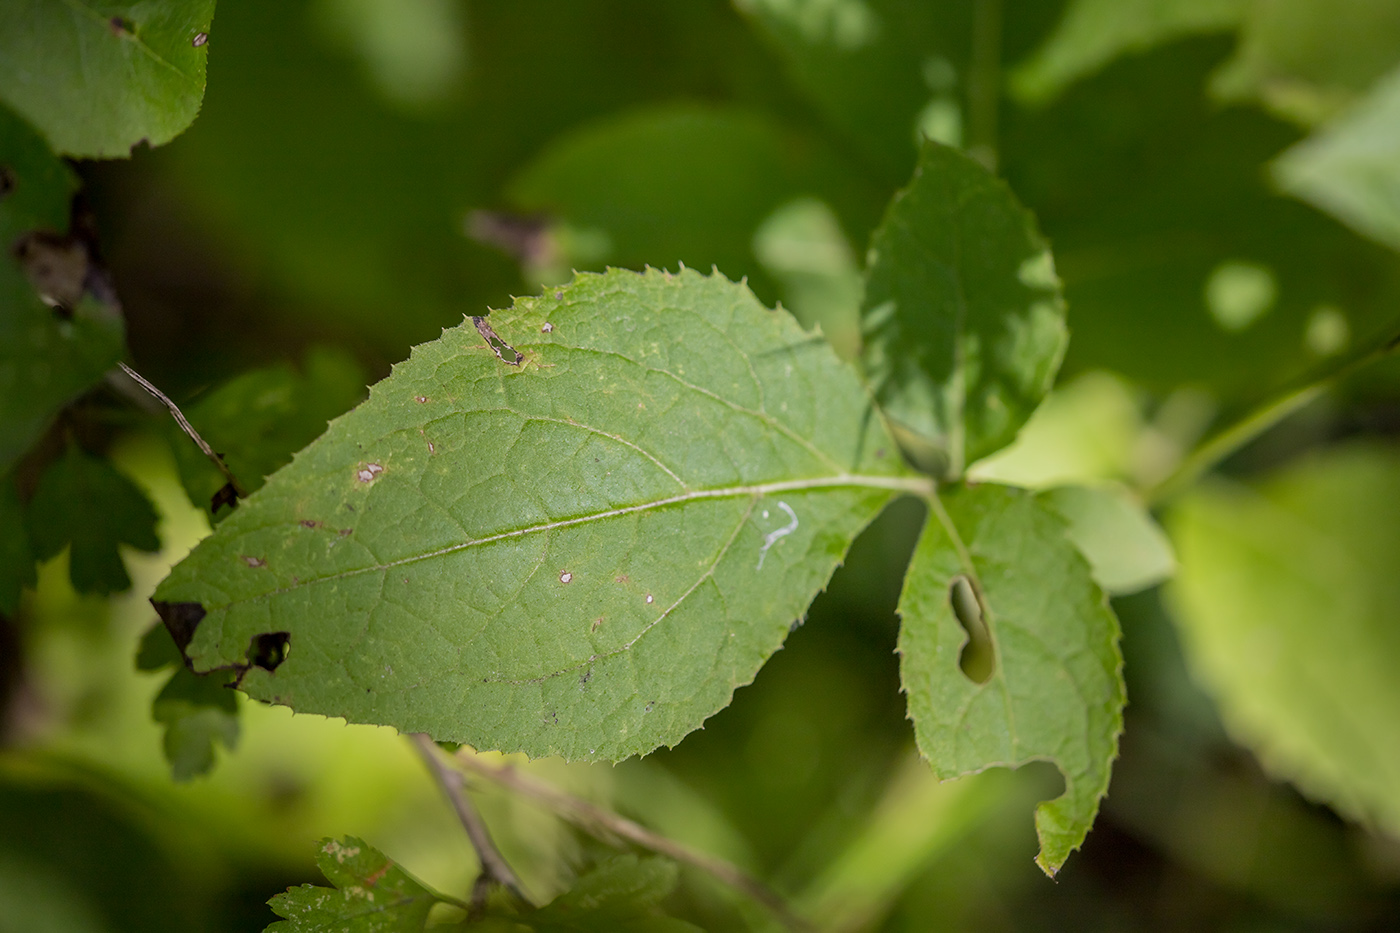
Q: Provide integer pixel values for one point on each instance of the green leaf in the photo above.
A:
(371, 895)
(1306, 60)
(99, 76)
(1351, 168)
(517, 556)
(16, 558)
(197, 711)
(83, 502)
(1055, 689)
(1286, 599)
(1094, 32)
(46, 358)
(632, 182)
(257, 420)
(622, 894)
(964, 323)
(1127, 551)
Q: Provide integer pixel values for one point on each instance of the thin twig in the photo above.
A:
(611, 828)
(494, 867)
(185, 425)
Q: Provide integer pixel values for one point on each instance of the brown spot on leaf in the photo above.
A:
(121, 26)
(255, 562)
(596, 624)
(420, 399)
(548, 328)
(368, 472)
(565, 577)
(310, 523)
(199, 39)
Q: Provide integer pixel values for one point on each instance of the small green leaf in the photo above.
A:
(16, 558)
(1095, 32)
(259, 419)
(583, 553)
(1351, 168)
(197, 711)
(83, 502)
(46, 358)
(371, 895)
(1306, 60)
(1287, 599)
(1126, 549)
(1055, 691)
(99, 76)
(622, 894)
(963, 319)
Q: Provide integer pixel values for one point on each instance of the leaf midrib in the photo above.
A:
(914, 485)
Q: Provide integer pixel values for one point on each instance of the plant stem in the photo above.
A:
(1236, 436)
(984, 82)
(613, 828)
(494, 867)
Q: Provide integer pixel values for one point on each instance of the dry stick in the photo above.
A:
(494, 867)
(185, 426)
(610, 827)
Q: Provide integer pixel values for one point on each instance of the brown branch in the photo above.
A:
(185, 426)
(494, 868)
(614, 829)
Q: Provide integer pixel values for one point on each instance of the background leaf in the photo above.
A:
(1351, 168)
(476, 530)
(1127, 551)
(1286, 599)
(45, 359)
(963, 318)
(1094, 32)
(99, 76)
(257, 420)
(83, 503)
(1055, 692)
(16, 558)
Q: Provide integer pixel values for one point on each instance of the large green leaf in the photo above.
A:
(1351, 169)
(1094, 32)
(964, 323)
(99, 76)
(1287, 598)
(1306, 60)
(46, 357)
(583, 553)
(1055, 689)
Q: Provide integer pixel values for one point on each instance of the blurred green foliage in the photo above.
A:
(324, 198)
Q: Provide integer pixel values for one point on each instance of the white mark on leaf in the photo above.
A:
(650, 599)
(368, 473)
(548, 328)
(254, 562)
(565, 577)
(777, 534)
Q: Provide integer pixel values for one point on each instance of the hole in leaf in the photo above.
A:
(181, 619)
(977, 659)
(269, 650)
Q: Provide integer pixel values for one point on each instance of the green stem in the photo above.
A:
(1236, 436)
(984, 82)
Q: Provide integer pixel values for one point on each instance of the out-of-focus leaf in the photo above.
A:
(1127, 551)
(1351, 168)
(623, 894)
(963, 321)
(99, 77)
(1306, 60)
(16, 558)
(1286, 599)
(466, 553)
(868, 66)
(197, 710)
(1156, 190)
(415, 51)
(83, 503)
(259, 419)
(1055, 690)
(676, 184)
(802, 247)
(371, 895)
(1094, 32)
(45, 360)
